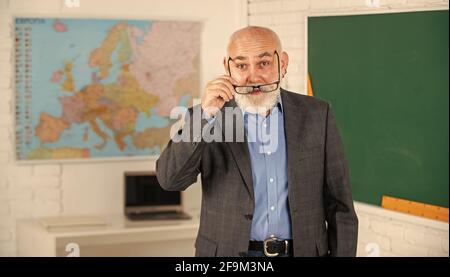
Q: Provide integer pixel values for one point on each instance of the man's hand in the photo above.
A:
(217, 92)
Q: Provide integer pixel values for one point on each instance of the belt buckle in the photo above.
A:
(268, 254)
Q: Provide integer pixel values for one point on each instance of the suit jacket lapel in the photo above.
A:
(239, 150)
(294, 128)
(242, 157)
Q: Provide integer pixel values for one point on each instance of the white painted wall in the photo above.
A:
(91, 187)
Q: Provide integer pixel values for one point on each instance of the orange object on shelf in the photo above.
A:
(415, 208)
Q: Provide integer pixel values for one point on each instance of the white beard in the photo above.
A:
(257, 103)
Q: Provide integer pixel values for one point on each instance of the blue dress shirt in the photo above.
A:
(267, 147)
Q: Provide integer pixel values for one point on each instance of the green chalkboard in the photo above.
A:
(386, 77)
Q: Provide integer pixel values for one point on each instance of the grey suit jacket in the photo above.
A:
(321, 206)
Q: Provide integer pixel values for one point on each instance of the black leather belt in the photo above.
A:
(272, 247)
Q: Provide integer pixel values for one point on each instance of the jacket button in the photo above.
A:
(249, 216)
(242, 254)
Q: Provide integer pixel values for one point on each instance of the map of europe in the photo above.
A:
(95, 88)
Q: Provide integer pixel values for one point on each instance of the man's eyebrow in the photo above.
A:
(265, 54)
(239, 58)
(242, 58)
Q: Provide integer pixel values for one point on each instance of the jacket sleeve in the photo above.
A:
(341, 217)
(179, 164)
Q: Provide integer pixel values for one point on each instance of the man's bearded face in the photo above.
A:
(254, 69)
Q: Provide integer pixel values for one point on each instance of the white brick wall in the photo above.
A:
(397, 234)
(5, 235)
(4, 207)
(47, 170)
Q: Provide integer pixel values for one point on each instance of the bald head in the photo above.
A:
(253, 37)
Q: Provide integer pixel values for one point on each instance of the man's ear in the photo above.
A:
(225, 66)
(284, 63)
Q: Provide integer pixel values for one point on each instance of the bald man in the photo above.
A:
(274, 175)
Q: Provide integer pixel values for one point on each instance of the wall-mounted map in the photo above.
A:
(90, 88)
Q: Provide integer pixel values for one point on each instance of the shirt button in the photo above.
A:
(271, 180)
(269, 153)
(272, 208)
(265, 125)
(272, 236)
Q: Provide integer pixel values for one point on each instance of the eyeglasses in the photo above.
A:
(263, 88)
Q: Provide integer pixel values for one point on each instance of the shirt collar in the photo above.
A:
(280, 103)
